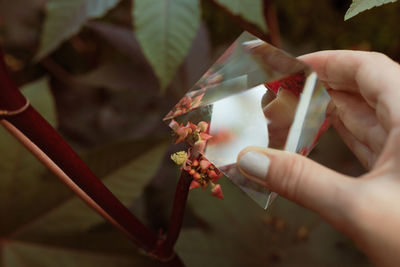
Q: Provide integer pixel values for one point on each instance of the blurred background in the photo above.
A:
(105, 76)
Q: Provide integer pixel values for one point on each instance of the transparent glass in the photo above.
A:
(255, 95)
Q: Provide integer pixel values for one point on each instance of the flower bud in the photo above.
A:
(195, 163)
(196, 176)
(194, 184)
(216, 191)
(213, 175)
(204, 164)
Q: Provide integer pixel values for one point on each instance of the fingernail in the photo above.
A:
(254, 164)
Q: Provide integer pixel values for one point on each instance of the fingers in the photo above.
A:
(299, 179)
(373, 75)
(359, 119)
(360, 150)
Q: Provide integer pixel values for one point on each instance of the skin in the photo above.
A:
(365, 111)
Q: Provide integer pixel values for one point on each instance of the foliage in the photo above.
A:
(359, 6)
(165, 31)
(64, 18)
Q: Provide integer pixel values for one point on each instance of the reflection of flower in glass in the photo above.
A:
(186, 104)
(225, 56)
(293, 83)
(221, 136)
(306, 150)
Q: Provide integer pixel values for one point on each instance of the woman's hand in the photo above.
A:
(365, 110)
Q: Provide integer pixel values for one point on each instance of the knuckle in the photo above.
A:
(292, 177)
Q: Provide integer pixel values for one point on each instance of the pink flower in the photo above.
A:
(196, 176)
(191, 126)
(194, 184)
(196, 101)
(199, 146)
(182, 132)
(204, 136)
(213, 175)
(204, 164)
(216, 191)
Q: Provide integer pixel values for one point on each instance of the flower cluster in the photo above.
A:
(195, 135)
(186, 104)
(204, 173)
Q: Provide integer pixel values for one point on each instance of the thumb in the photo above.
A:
(297, 178)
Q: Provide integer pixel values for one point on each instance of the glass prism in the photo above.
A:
(255, 95)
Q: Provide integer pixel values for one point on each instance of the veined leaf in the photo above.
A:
(359, 6)
(251, 11)
(64, 18)
(165, 30)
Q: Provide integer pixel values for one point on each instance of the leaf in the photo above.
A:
(251, 11)
(359, 6)
(165, 31)
(64, 18)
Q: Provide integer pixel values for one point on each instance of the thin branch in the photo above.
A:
(178, 212)
(272, 22)
(42, 157)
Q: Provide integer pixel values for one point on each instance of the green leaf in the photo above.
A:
(165, 30)
(251, 11)
(359, 6)
(64, 18)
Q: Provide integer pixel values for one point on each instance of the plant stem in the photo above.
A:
(178, 212)
(42, 135)
(272, 22)
(42, 157)
(38, 136)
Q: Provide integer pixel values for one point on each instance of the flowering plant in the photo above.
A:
(202, 171)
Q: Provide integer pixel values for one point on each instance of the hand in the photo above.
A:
(365, 110)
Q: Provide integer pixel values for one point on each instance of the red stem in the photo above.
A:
(40, 132)
(272, 22)
(178, 212)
